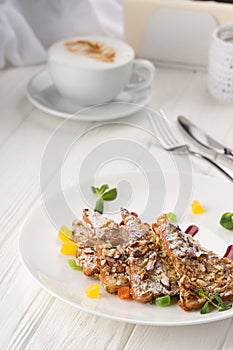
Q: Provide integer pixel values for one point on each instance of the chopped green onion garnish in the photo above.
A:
(171, 216)
(72, 263)
(163, 301)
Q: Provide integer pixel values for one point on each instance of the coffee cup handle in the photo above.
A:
(147, 65)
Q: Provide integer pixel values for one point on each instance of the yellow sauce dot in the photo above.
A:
(92, 291)
(197, 208)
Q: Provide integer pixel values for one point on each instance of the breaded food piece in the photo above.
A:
(94, 219)
(85, 237)
(151, 271)
(197, 267)
(111, 251)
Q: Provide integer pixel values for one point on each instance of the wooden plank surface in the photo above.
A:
(29, 317)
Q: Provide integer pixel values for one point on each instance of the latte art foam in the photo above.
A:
(91, 52)
(95, 50)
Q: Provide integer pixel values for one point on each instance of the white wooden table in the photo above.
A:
(30, 318)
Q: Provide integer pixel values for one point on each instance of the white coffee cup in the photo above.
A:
(95, 69)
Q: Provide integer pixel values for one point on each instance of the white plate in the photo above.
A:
(39, 250)
(43, 95)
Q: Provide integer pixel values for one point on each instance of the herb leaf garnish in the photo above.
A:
(110, 195)
(94, 189)
(102, 195)
(102, 189)
(215, 300)
(205, 309)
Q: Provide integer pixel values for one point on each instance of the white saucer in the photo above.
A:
(43, 95)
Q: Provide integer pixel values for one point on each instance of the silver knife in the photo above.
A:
(202, 138)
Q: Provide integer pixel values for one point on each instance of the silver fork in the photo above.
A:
(169, 141)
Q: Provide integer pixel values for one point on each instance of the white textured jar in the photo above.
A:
(220, 68)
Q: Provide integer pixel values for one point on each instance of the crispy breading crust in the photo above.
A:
(86, 256)
(197, 267)
(111, 250)
(151, 271)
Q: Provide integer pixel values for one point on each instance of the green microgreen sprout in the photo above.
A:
(205, 308)
(104, 194)
(215, 300)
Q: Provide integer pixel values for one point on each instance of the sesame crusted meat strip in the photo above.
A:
(85, 237)
(197, 267)
(151, 271)
(111, 251)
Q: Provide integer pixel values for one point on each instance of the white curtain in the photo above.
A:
(29, 27)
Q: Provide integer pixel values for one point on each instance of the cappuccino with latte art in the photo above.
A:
(93, 69)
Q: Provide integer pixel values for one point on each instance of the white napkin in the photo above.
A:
(28, 28)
